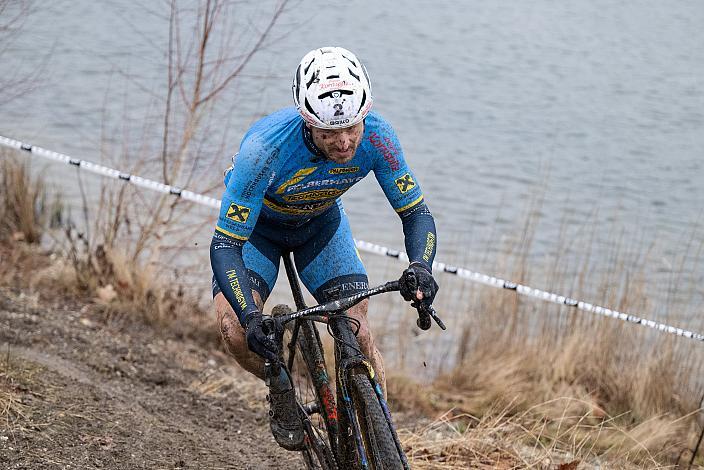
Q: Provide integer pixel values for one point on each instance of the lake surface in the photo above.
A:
(584, 118)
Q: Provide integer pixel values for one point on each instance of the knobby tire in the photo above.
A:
(378, 438)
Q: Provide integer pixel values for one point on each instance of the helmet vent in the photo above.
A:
(297, 84)
(313, 78)
(308, 66)
(311, 110)
(364, 100)
(350, 60)
(353, 74)
(332, 76)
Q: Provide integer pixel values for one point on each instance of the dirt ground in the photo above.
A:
(80, 391)
(87, 387)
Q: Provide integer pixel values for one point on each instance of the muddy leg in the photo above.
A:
(366, 342)
(233, 335)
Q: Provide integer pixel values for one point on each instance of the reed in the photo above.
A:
(598, 388)
(23, 202)
(519, 384)
(130, 250)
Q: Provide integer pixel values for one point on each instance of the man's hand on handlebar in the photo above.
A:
(418, 285)
(259, 339)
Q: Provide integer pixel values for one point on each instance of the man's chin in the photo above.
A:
(341, 158)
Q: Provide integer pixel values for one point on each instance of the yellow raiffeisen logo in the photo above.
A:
(296, 178)
(343, 170)
(238, 213)
(314, 195)
(405, 183)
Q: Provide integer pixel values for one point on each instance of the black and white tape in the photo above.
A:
(361, 244)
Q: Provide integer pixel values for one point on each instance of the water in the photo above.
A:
(586, 116)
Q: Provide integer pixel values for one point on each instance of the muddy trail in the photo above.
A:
(78, 391)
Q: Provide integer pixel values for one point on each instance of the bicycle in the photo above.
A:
(360, 433)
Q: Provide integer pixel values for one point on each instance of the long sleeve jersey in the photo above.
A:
(281, 175)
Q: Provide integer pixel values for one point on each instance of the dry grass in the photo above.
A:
(540, 389)
(101, 273)
(554, 432)
(124, 244)
(564, 381)
(531, 385)
(530, 440)
(14, 380)
(23, 202)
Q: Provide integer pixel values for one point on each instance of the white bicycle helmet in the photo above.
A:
(331, 88)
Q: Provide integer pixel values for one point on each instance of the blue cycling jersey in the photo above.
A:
(280, 176)
(279, 172)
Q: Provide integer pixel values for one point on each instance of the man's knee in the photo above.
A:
(231, 331)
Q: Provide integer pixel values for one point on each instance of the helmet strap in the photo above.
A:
(318, 154)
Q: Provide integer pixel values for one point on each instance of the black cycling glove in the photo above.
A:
(257, 340)
(418, 277)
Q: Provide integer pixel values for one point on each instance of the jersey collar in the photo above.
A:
(318, 154)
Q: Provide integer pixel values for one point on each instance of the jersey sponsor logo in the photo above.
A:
(238, 213)
(346, 289)
(343, 170)
(405, 183)
(333, 84)
(338, 122)
(387, 149)
(314, 195)
(299, 176)
(300, 209)
(263, 173)
(429, 246)
(325, 182)
(236, 288)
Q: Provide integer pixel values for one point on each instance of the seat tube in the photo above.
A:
(293, 281)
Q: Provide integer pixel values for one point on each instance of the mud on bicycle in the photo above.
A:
(346, 420)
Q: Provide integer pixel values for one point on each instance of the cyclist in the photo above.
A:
(283, 194)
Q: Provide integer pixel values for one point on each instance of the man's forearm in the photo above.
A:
(419, 234)
(231, 274)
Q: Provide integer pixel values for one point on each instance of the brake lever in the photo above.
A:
(425, 313)
(270, 368)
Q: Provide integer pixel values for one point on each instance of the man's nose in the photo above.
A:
(345, 140)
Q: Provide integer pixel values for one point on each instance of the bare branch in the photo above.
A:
(21, 81)
(249, 55)
(169, 93)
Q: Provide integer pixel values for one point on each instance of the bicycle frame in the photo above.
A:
(321, 380)
(349, 357)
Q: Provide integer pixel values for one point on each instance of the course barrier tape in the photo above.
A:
(361, 244)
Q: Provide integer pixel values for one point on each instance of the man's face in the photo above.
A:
(339, 145)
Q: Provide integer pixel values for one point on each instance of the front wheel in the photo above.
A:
(378, 437)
